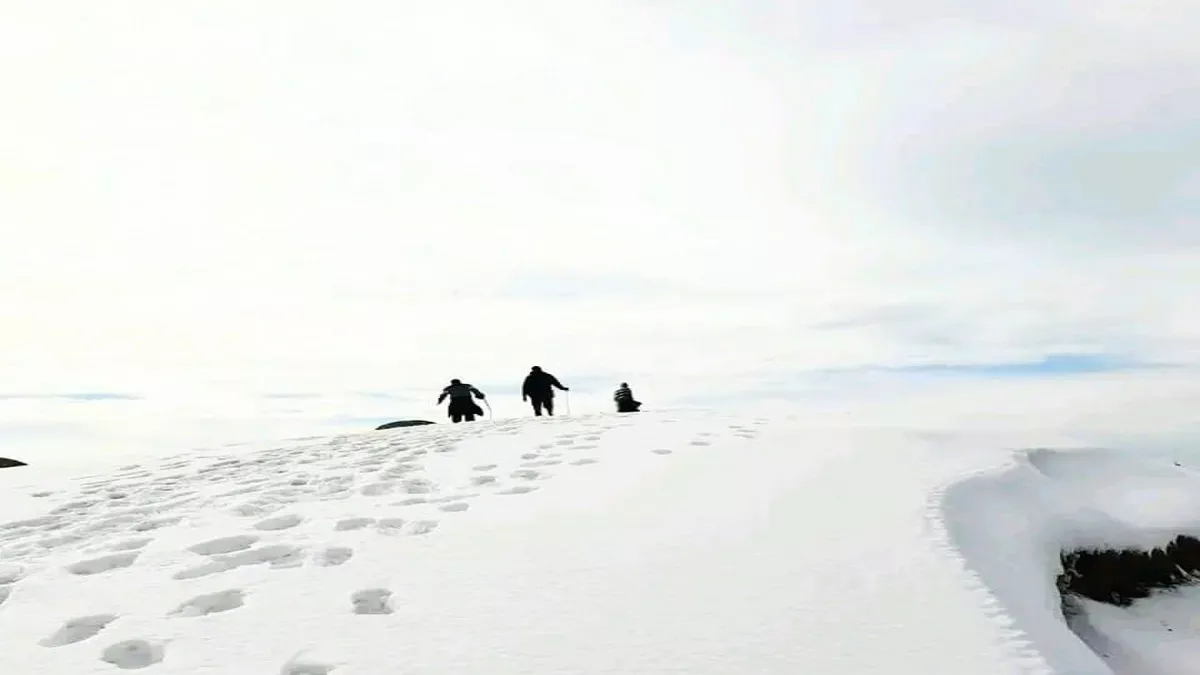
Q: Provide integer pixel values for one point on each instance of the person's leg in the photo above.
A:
(537, 406)
(549, 403)
(455, 417)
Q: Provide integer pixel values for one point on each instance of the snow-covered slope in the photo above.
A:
(1012, 525)
(653, 543)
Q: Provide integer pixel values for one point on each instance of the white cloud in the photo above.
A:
(206, 197)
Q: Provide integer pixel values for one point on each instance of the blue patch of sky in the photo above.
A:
(1049, 365)
(818, 383)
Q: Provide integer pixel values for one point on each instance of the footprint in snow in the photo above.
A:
(102, 564)
(420, 527)
(333, 556)
(532, 455)
(526, 474)
(372, 601)
(390, 526)
(133, 654)
(131, 544)
(277, 556)
(78, 630)
(155, 524)
(306, 668)
(543, 462)
(517, 490)
(700, 442)
(212, 603)
(661, 451)
(455, 507)
(583, 461)
(418, 486)
(485, 467)
(237, 542)
(378, 489)
(397, 472)
(348, 524)
(279, 522)
(483, 480)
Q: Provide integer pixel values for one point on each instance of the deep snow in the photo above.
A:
(652, 543)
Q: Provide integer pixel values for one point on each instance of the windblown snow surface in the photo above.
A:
(652, 543)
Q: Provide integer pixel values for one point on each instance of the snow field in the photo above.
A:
(115, 555)
(647, 543)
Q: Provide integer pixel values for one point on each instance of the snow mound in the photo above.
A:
(1091, 552)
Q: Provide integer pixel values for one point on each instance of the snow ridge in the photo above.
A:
(1020, 645)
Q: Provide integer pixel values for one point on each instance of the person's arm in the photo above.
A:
(442, 397)
(554, 381)
(478, 394)
(525, 388)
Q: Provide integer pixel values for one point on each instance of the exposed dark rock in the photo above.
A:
(1120, 577)
(402, 423)
(6, 463)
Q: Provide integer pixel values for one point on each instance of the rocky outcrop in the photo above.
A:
(1118, 577)
(402, 423)
(7, 463)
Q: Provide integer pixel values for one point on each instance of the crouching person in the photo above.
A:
(624, 399)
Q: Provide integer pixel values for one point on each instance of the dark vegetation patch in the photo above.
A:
(1119, 577)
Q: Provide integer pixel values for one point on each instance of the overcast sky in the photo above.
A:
(293, 196)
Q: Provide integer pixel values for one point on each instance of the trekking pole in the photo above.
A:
(489, 407)
(567, 400)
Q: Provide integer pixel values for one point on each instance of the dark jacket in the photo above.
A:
(459, 391)
(623, 394)
(538, 385)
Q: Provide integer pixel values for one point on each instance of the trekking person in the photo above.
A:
(624, 398)
(461, 404)
(538, 390)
